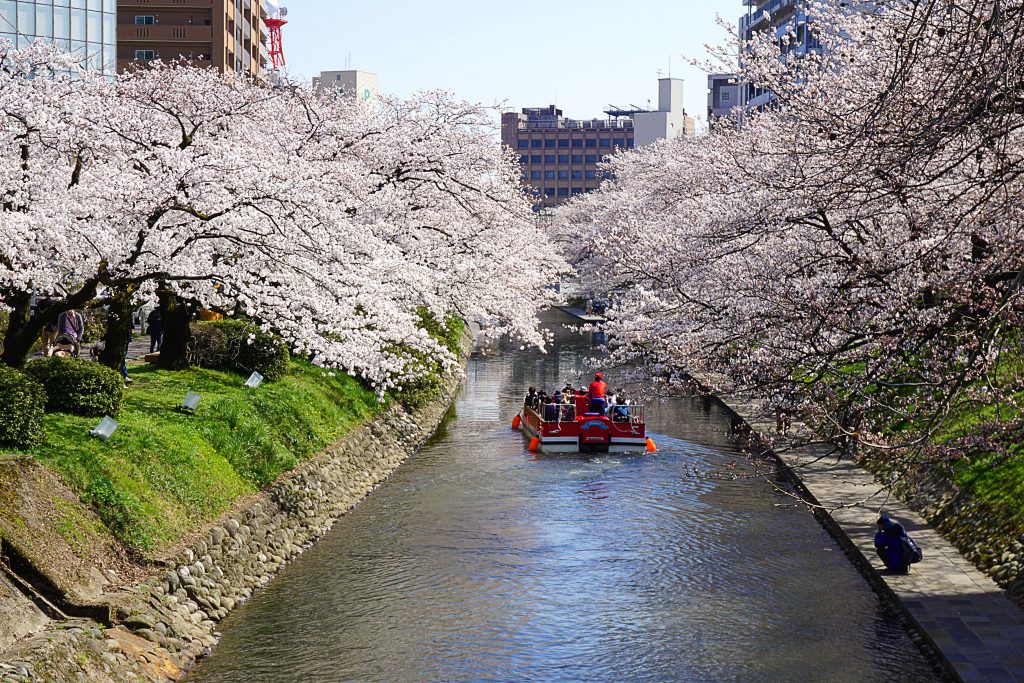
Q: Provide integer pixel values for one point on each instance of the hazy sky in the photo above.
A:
(581, 56)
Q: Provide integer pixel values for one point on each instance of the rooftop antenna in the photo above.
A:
(274, 24)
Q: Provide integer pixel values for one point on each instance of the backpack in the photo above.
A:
(911, 551)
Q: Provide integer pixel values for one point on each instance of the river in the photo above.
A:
(477, 561)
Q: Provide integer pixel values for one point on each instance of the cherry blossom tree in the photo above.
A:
(854, 252)
(328, 222)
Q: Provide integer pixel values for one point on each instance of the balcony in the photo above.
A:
(155, 33)
(169, 4)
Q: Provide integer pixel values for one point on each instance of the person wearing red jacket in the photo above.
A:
(597, 395)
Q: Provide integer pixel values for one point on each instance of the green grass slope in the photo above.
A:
(165, 473)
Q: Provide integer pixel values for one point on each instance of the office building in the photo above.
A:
(361, 85)
(86, 28)
(226, 34)
(560, 156)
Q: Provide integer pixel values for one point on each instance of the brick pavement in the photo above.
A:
(965, 615)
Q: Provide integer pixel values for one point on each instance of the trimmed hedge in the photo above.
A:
(77, 386)
(22, 400)
(226, 345)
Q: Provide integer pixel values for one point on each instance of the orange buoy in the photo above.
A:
(516, 421)
(534, 444)
(651, 446)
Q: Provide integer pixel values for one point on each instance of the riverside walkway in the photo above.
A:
(962, 612)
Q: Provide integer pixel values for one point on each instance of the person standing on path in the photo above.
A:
(155, 327)
(70, 323)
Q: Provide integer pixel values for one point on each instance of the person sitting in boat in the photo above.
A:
(568, 393)
(550, 410)
(619, 412)
(611, 399)
(597, 392)
(531, 398)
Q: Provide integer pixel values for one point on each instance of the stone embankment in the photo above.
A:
(157, 630)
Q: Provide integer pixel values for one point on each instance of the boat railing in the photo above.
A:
(632, 414)
(563, 412)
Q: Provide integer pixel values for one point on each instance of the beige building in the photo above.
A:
(560, 156)
(227, 34)
(361, 85)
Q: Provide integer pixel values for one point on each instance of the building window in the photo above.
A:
(618, 142)
(591, 175)
(725, 95)
(549, 175)
(145, 54)
(577, 158)
(605, 142)
(525, 175)
(524, 144)
(563, 142)
(591, 143)
(524, 159)
(549, 191)
(577, 143)
(534, 175)
(550, 143)
(563, 158)
(563, 192)
(577, 190)
(591, 158)
(535, 159)
(537, 144)
(564, 175)
(144, 20)
(630, 143)
(577, 175)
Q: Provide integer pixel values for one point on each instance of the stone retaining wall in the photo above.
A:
(161, 627)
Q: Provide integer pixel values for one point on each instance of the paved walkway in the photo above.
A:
(964, 614)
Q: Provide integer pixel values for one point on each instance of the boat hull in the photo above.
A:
(591, 433)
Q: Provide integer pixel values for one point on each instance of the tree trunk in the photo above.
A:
(119, 327)
(175, 314)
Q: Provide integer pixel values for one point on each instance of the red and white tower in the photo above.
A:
(274, 25)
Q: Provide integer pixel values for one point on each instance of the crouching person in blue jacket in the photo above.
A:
(889, 545)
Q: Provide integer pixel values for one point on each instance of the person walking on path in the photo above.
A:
(50, 331)
(71, 324)
(155, 327)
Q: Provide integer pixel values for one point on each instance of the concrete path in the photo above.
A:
(964, 614)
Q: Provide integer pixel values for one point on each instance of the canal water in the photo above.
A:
(477, 561)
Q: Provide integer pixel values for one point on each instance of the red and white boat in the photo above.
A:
(573, 428)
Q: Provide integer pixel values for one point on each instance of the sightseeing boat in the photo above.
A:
(573, 428)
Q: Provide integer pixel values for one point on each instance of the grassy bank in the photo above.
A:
(164, 473)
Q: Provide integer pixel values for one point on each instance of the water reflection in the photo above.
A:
(478, 561)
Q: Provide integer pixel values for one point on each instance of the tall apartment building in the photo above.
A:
(84, 27)
(775, 16)
(227, 34)
(560, 156)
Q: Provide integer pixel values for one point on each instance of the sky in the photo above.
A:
(579, 55)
